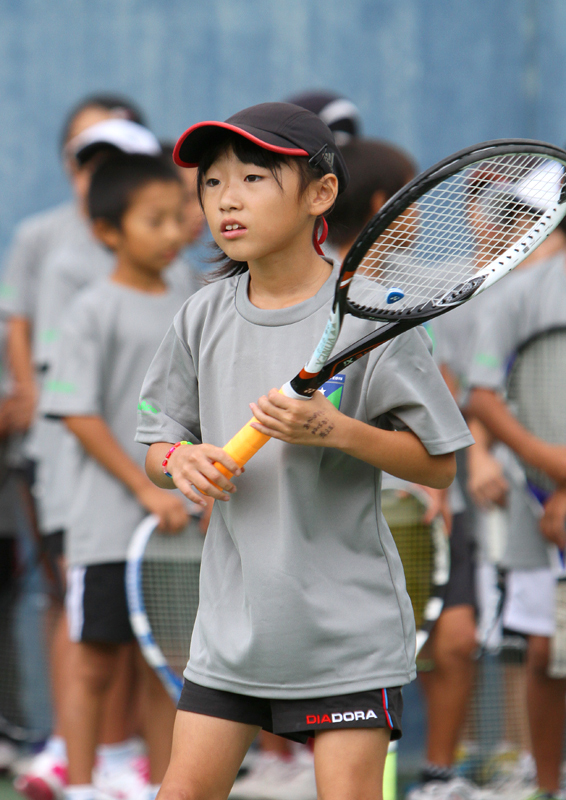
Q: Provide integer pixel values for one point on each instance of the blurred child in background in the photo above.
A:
(107, 341)
(535, 301)
(37, 240)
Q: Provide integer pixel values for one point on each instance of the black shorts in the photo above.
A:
(96, 605)
(299, 719)
(461, 588)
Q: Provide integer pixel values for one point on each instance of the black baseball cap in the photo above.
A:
(280, 127)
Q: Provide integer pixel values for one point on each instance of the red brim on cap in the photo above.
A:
(287, 151)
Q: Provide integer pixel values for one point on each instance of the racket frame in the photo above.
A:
(139, 620)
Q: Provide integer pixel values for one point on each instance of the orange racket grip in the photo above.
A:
(243, 446)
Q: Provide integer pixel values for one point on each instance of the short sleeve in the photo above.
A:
(494, 345)
(405, 391)
(168, 409)
(17, 294)
(74, 382)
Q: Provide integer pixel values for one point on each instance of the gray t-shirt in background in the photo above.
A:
(108, 339)
(302, 590)
(33, 242)
(70, 268)
(534, 301)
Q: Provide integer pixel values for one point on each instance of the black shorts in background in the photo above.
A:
(96, 604)
(461, 588)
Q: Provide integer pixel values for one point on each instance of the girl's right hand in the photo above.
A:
(192, 467)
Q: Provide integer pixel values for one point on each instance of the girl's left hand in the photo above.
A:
(313, 421)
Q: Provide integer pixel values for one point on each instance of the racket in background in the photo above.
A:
(445, 237)
(425, 553)
(162, 585)
(424, 550)
(536, 393)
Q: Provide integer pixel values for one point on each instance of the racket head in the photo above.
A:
(536, 393)
(468, 218)
(162, 587)
(424, 551)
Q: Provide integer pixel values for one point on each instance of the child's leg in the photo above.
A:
(349, 763)
(118, 721)
(205, 758)
(91, 670)
(449, 685)
(157, 712)
(547, 713)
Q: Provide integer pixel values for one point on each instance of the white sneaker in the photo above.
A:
(45, 778)
(455, 789)
(275, 778)
(127, 783)
(9, 754)
(518, 783)
(510, 789)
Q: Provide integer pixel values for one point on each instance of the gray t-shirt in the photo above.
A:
(533, 302)
(302, 590)
(108, 339)
(70, 268)
(34, 240)
(73, 267)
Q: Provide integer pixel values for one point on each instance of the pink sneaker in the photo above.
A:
(45, 778)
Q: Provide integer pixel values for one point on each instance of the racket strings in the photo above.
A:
(456, 229)
(170, 586)
(536, 392)
(415, 544)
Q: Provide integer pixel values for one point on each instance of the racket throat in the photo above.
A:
(305, 384)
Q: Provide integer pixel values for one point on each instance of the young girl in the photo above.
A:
(304, 625)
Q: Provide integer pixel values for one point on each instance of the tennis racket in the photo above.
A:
(536, 393)
(425, 554)
(448, 235)
(162, 587)
(424, 550)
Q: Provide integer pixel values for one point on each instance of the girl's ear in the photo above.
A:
(323, 194)
(107, 233)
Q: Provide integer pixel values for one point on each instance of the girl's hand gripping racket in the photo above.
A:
(452, 232)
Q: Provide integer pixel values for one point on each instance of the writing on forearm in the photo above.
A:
(322, 427)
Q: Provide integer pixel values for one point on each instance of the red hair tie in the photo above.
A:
(318, 240)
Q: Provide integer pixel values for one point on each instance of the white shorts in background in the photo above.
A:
(530, 602)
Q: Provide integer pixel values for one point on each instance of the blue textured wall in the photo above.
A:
(433, 75)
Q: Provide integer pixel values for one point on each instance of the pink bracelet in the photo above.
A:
(168, 456)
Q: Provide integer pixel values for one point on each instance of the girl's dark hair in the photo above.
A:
(118, 177)
(249, 153)
(111, 102)
(373, 166)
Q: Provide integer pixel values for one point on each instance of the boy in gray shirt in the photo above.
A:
(534, 302)
(304, 624)
(107, 341)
